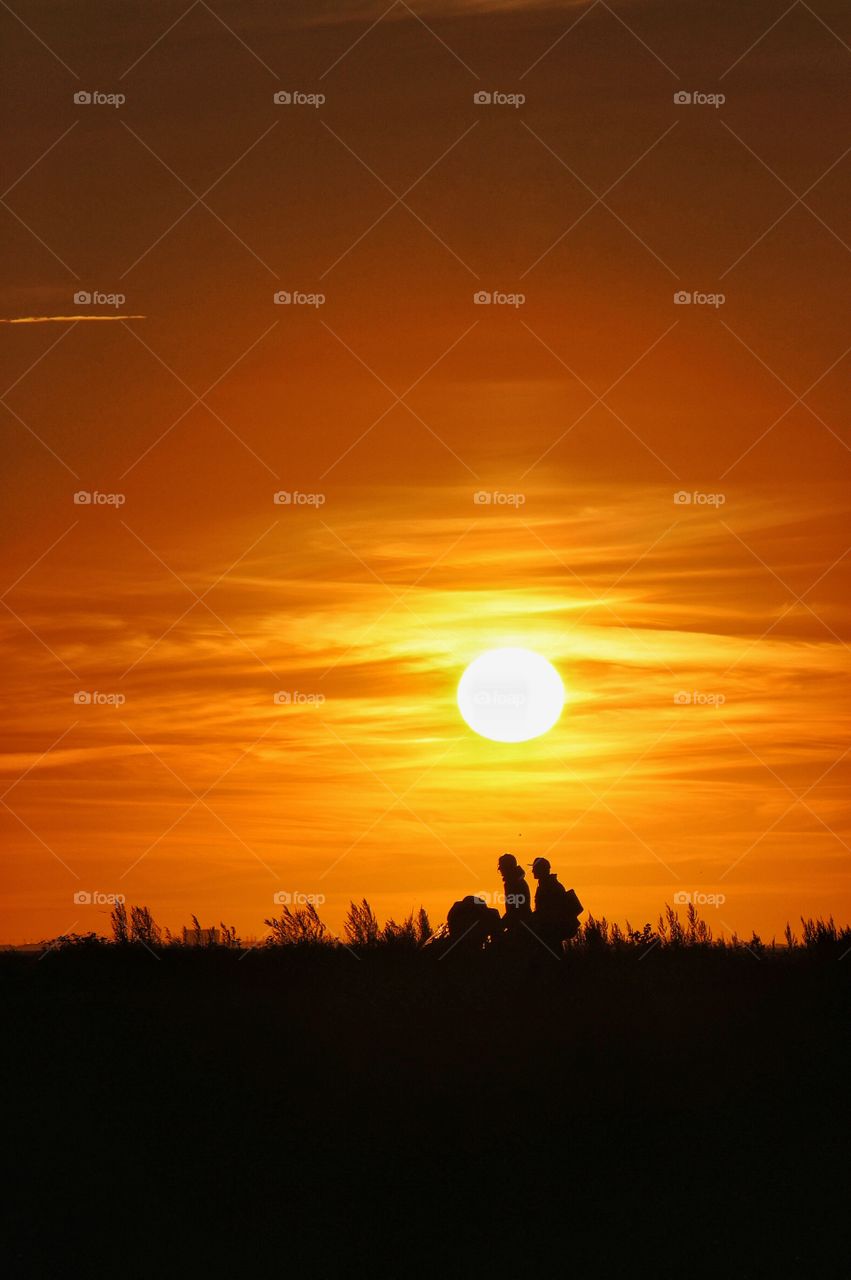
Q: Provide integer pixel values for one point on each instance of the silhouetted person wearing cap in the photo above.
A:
(557, 909)
(518, 896)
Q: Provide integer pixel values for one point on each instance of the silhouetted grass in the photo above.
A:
(363, 932)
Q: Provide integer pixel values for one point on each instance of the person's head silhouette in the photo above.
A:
(507, 865)
(540, 868)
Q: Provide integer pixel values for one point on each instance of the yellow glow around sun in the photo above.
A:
(510, 695)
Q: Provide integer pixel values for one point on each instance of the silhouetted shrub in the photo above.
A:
(412, 932)
(595, 933)
(143, 928)
(118, 920)
(361, 927)
(823, 935)
(299, 927)
(76, 941)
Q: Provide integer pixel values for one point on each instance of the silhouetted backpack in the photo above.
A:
(573, 909)
(563, 907)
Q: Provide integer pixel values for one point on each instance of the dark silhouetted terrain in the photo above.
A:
(384, 1111)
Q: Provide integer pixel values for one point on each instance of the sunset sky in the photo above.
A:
(592, 404)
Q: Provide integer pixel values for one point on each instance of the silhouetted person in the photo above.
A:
(518, 896)
(557, 909)
(471, 923)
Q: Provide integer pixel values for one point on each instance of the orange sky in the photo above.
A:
(197, 597)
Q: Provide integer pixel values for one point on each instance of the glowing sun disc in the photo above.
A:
(510, 695)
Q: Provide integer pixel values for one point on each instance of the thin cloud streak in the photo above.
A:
(65, 319)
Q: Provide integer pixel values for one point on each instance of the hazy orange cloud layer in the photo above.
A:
(687, 739)
(416, 379)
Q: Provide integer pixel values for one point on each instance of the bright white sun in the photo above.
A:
(510, 695)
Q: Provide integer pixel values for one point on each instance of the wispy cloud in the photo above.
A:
(65, 319)
(332, 12)
(368, 628)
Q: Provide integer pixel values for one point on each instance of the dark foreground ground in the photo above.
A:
(325, 1114)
